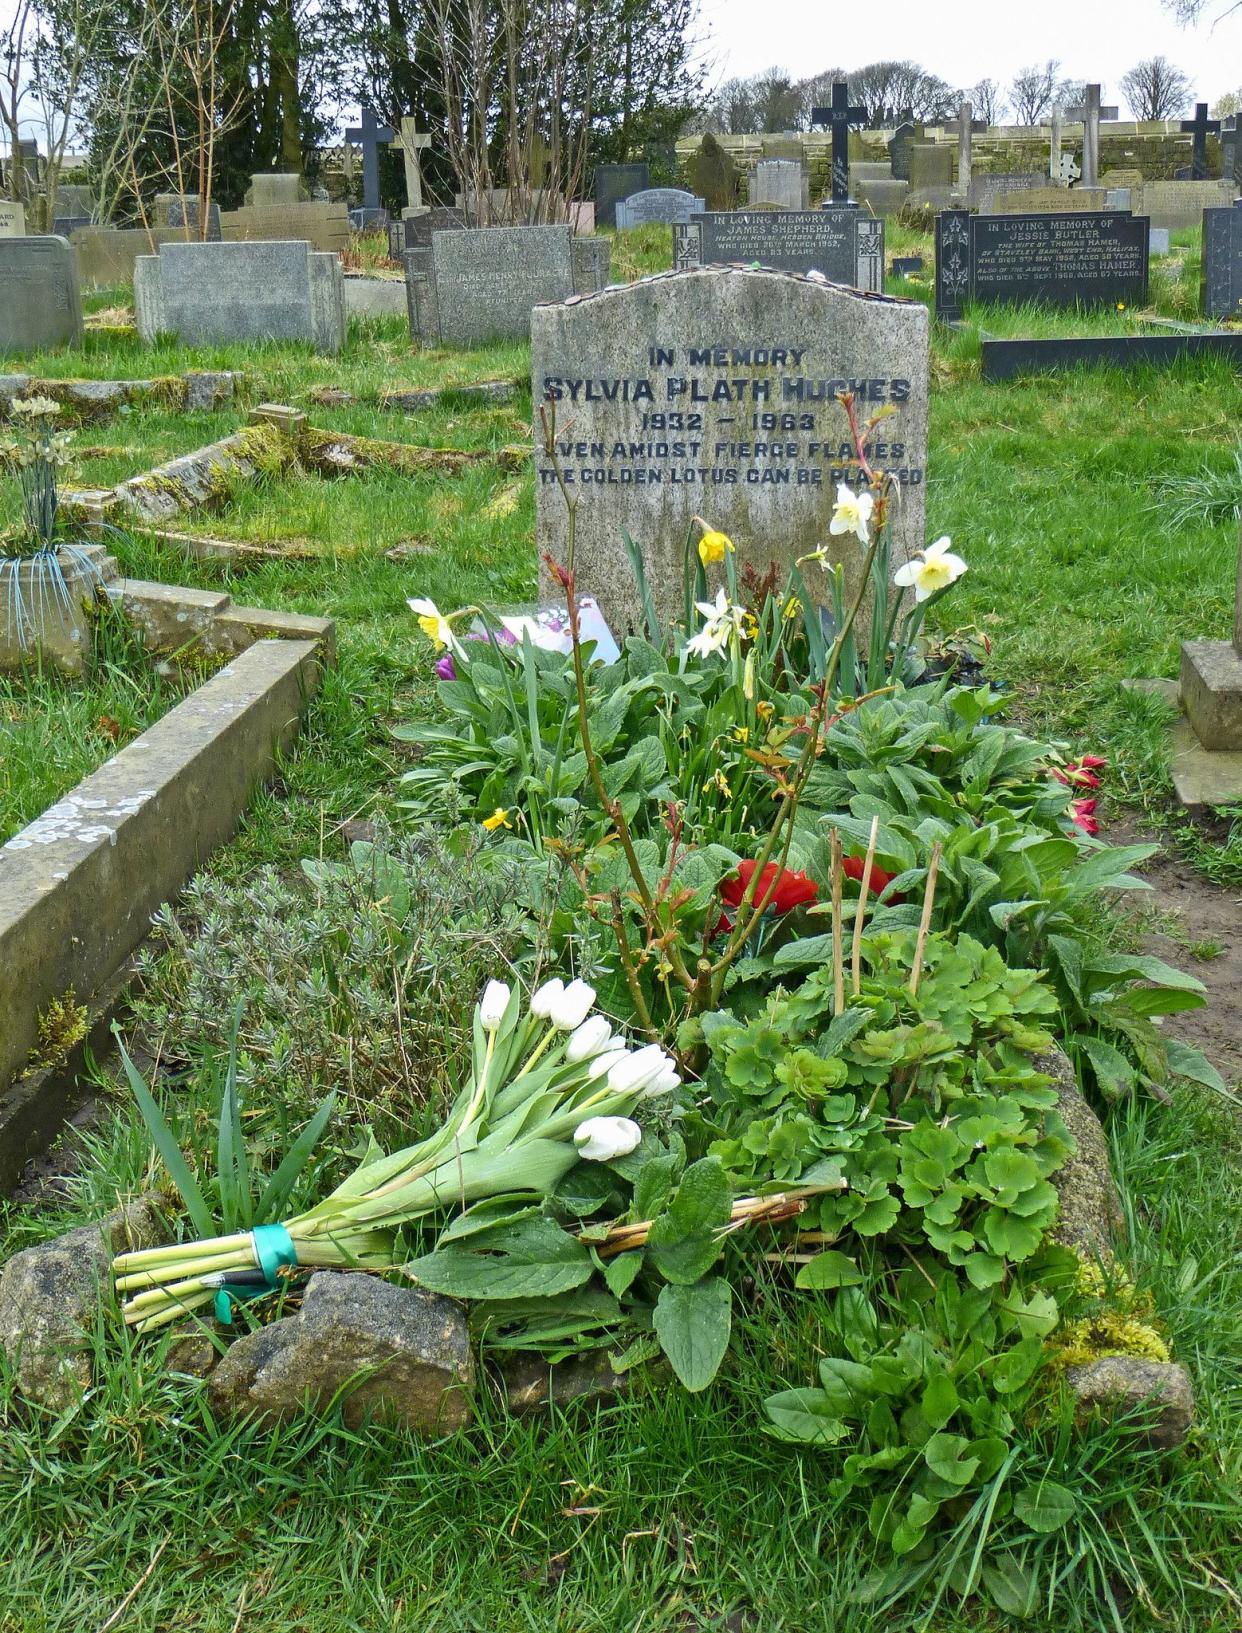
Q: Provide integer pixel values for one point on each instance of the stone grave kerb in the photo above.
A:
(1211, 682)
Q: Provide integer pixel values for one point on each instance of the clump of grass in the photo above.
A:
(1210, 496)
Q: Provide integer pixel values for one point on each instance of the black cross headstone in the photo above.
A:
(1200, 126)
(840, 116)
(371, 136)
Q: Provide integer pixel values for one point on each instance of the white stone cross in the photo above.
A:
(411, 141)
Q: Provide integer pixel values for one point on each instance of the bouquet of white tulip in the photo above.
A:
(548, 1089)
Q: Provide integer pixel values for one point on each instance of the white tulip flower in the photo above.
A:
(668, 1080)
(932, 569)
(572, 1007)
(603, 1064)
(592, 1038)
(600, 1139)
(545, 996)
(637, 1070)
(852, 512)
(492, 1005)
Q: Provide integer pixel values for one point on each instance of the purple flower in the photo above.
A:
(445, 668)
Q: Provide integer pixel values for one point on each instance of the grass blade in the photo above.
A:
(276, 1192)
(169, 1150)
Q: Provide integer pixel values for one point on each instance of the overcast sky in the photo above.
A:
(965, 41)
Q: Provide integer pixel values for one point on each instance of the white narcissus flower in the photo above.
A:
(852, 512)
(601, 1139)
(432, 622)
(545, 996)
(932, 569)
(492, 1005)
(722, 621)
(573, 1006)
(591, 1038)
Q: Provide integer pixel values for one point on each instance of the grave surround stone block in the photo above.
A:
(839, 241)
(40, 294)
(1211, 684)
(1088, 258)
(268, 290)
(663, 391)
(1221, 275)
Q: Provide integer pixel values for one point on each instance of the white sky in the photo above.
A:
(968, 40)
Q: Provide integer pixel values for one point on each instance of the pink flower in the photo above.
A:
(1083, 813)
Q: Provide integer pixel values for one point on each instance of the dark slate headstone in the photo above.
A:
(904, 138)
(440, 218)
(904, 265)
(839, 241)
(1221, 277)
(40, 294)
(665, 205)
(613, 182)
(713, 175)
(366, 219)
(1084, 257)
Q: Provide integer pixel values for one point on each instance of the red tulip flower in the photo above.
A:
(792, 889)
(852, 867)
(1083, 814)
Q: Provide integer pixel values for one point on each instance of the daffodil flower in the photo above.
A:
(852, 512)
(714, 546)
(931, 570)
(498, 819)
(434, 625)
(723, 620)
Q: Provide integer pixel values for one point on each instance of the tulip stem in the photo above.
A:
(861, 915)
(929, 897)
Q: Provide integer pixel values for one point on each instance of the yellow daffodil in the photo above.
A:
(852, 512)
(793, 606)
(435, 626)
(932, 569)
(498, 819)
(722, 782)
(764, 709)
(714, 546)
(742, 733)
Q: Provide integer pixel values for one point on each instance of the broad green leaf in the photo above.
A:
(828, 1269)
(276, 1192)
(684, 1242)
(1016, 1366)
(940, 1400)
(531, 1259)
(619, 1273)
(1045, 1507)
(693, 1324)
(1187, 1061)
(1140, 967)
(943, 1455)
(1114, 1073)
(804, 1415)
(1013, 1589)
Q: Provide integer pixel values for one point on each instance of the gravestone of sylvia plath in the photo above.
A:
(217, 293)
(713, 393)
(487, 280)
(613, 182)
(780, 182)
(837, 240)
(1221, 276)
(40, 294)
(663, 205)
(1092, 258)
(12, 219)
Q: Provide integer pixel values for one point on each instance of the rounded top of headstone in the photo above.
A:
(716, 271)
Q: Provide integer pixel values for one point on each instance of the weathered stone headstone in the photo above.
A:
(12, 219)
(904, 138)
(40, 294)
(1179, 205)
(713, 175)
(325, 227)
(658, 204)
(1159, 240)
(613, 182)
(713, 393)
(218, 293)
(1221, 275)
(439, 218)
(1092, 258)
(1231, 150)
(183, 210)
(985, 190)
(488, 279)
(591, 257)
(1200, 127)
(1212, 685)
(842, 243)
(1051, 201)
(931, 166)
(274, 188)
(778, 181)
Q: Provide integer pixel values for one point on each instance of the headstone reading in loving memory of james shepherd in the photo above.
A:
(1092, 258)
(1221, 276)
(714, 393)
(40, 294)
(843, 243)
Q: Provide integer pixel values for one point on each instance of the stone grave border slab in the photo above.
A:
(78, 886)
(194, 391)
(1011, 358)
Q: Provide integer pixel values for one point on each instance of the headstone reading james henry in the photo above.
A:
(664, 205)
(841, 242)
(1221, 276)
(1087, 257)
(40, 295)
(487, 280)
(714, 393)
(840, 116)
(613, 182)
(1200, 127)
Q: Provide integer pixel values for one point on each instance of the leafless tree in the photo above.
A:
(14, 88)
(1156, 89)
(987, 97)
(1034, 90)
(1189, 11)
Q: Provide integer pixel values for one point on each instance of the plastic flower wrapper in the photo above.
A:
(512, 1131)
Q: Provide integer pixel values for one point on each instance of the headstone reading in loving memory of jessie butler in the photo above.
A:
(1221, 277)
(1092, 257)
(839, 241)
(839, 116)
(714, 393)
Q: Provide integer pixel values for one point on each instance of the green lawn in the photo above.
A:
(664, 1512)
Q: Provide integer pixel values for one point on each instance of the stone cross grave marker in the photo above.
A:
(411, 142)
(839, 116)
(1091, 138)
(1200, 127)
(965, 114)
(370, 136)
(40, 294)
(713, 393)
